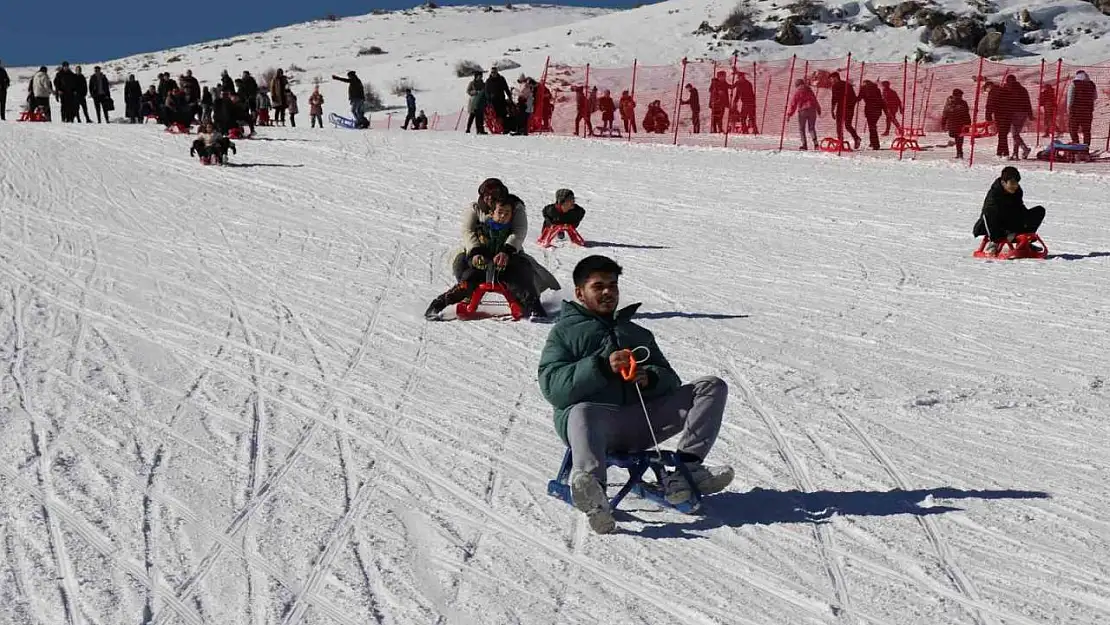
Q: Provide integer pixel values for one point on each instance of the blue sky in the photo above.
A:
(83, 31)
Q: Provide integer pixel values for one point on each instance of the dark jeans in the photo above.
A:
(3, 102)
(476, 120)
(411, 117)
(1080, 124)
(98, 105)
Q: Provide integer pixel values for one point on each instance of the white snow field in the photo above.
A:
(220, 402)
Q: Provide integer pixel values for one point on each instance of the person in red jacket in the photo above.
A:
(607, 107)
(956, 115)
(628, 112)
(693, 101)
(892, 108)
(718, 102)
(873, 107)
(804, 103)
(744, 96)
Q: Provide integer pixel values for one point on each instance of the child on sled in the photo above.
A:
(510, 266)
(212, 145)
(564, 212)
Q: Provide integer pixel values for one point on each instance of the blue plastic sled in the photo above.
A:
(341, 122)
(637, 464)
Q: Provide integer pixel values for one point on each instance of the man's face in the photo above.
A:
(1011, 186)
(600, 294)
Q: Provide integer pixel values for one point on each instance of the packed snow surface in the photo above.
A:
(220, 402)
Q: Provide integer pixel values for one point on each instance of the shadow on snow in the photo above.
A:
(261, 165)
(674, 314)
(767, 507)
(1078, 256)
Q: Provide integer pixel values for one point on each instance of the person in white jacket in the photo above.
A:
(41, 89)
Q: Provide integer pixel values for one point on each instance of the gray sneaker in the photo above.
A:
(708, 479)
(589, 497)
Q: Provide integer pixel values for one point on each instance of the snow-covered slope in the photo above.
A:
(219, 401)
(424, 46)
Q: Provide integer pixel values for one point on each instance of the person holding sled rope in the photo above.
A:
(490, 249)
(596, 411)
(1004, 214)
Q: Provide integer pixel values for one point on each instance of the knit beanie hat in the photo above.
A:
(562, 195)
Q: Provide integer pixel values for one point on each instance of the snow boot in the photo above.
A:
(708, 479)
(589, 496)
(435, 308)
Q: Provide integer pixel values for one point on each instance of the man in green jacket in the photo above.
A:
(596, 411)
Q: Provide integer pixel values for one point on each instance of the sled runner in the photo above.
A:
(1021, 247)
(602, 132)
(637, 463)
(979, 130)
(549, 235)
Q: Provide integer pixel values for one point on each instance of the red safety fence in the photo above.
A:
(893, 110)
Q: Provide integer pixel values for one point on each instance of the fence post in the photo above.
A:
(435, 120)
(730, 100)
(786, 104)
(913, 102)
(459, 120)
(766, 97)
(632, 123)
(841, 126)
(928, 99)
(589, 113)
(541, 103)
(855, 111)
(975, 112)
(905, 76)
(1040, 102)
(677, 99)
(1052, 145)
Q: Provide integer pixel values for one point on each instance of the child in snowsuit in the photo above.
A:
(493, 251)
(1004, 213)
(563, 212)
(211, 144)
(316, 108)
(607, 107)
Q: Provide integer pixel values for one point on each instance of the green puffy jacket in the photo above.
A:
(574, 365)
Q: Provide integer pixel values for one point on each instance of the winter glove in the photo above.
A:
(478, 261)
(500, 260)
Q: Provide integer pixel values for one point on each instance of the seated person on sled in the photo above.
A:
(211, 144)
(1004, 213)
(564, 212)
(597, 412)
(477, 212)
(489, 249)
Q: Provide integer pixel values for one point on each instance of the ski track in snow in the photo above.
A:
(227, 402)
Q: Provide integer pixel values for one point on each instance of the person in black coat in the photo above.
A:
(65, 90)
(844, 108)
(563, 212)
(5, 82)
(101, 93)
(132, 100)
(356, 95)
(248, 93)
(81, 87)
(498, 94)
(1004, 213)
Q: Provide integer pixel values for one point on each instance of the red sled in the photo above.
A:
(979, 130)
(832, 144)
(1021, 247)
(32, 116)
(177, 128)
(468, 310)
(905, 143)
(235, 133)
(547, 237)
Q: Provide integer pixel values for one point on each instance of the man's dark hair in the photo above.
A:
(1010, 173)
(594, 264)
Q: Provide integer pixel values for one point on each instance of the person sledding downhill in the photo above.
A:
(1005, 222)
(211, 146)
(561, 219)
(597, 412)
(489, 250)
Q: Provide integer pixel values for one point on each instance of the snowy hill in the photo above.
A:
(424, 46)
(219, 401)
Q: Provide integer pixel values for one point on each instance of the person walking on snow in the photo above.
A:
(596, 411)
(892, 108)
(844, 108)
(873, 107)
(476, 104)
(410, 106)
(804, 103)
(692, 100)
(955, 117)
(1081, 107)
(356, 95)
(81, 102)
(101, 93)
(291, 107)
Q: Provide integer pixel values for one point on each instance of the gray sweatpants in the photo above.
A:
(694, 409)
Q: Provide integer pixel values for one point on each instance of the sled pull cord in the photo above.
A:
(629, 375)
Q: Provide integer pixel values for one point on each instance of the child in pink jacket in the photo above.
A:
(804, 103)
(316, 108)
